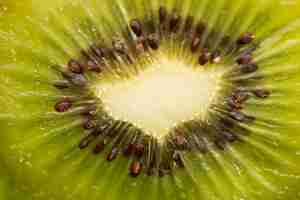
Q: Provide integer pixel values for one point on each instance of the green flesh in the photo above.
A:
(38, 151)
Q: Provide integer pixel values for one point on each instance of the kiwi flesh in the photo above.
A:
(56, 127)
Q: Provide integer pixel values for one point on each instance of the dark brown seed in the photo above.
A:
(178, 160)
(153, 41)
(113, 154)
(195, 44)
(99, 147)
(129, 149)
(233, 105)
(200, 28)
(89, 124)
(261, 93)
(139, 150)
(245, 59)
(240, 117)
(135, 168)
(136, 27)
(75, 67)
(250, 68)
(204, 57)
(162, 14)
(216, 57)
(84, 143)
(241, 96)
(237, 99)
(63, 105)
(246, 38)
(188, 24)
(174, 21)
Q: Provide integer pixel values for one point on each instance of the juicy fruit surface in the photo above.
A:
(39, 148)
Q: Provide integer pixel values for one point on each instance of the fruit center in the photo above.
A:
(167, 93)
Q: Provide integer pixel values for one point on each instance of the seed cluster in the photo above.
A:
(146, 152)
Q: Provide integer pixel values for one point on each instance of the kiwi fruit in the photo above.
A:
(150, 99)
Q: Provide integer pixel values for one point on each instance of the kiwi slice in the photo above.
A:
(150, 99)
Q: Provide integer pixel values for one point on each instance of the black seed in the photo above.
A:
(153, 41)
(84, 143)
(135, 168)
(178, 160)
(261, 93)
(113, 154)
(99, 147)
(245, 38)
(75, 67)
(174, 21)
(245, 59)
(240, 117)
(200, 28)
(136, 27)
(162, 14)
(188, 24)
(250, 68)
(63, 105)
(216, 57)
(204, 57)
(195, 44)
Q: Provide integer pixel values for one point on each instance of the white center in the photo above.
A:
(165, 94)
